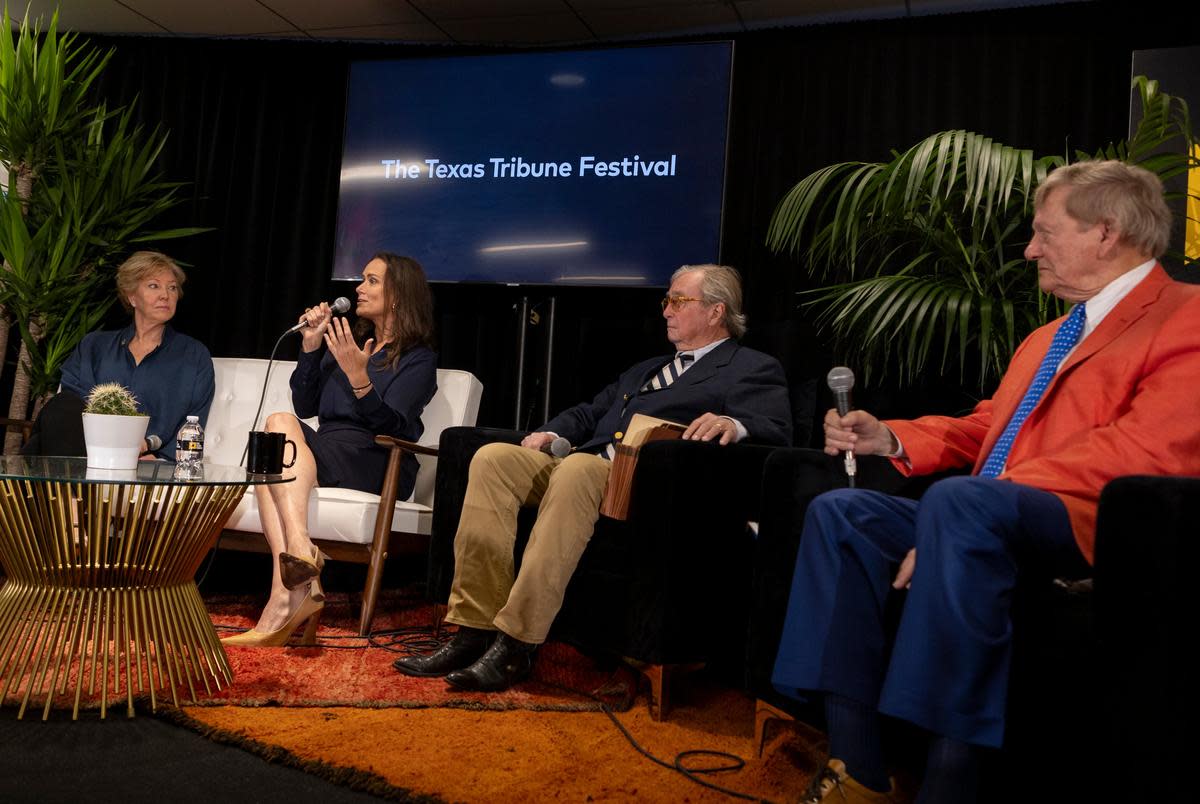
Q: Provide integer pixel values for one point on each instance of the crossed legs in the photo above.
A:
(283, 508)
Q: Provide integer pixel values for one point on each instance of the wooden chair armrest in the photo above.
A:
(408, 446)
(24, 425)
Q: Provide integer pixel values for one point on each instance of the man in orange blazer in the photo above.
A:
(1107, 390)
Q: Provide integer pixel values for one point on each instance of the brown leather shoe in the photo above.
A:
(833, 784)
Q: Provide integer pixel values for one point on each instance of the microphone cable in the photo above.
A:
(340, 306)
(262, 398)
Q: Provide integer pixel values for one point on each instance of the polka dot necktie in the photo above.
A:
(1064, 340)
(666, 375)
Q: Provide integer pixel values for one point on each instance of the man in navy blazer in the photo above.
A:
(724, 391)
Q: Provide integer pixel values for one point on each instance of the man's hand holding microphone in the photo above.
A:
(858, 432)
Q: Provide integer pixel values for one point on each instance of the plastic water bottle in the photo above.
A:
(189, 449)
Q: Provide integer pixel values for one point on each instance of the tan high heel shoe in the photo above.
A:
(299, 570)
(310, 610)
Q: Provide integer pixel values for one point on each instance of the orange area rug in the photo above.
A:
(342, 670)
(347, 670)
(516, 756)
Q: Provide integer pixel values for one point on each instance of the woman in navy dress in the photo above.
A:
(374, 380)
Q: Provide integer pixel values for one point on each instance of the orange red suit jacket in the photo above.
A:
(1126, 401)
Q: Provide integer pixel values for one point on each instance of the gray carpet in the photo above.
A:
(143, 759)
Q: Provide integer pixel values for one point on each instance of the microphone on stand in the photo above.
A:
(840, 380)
(340, 305)
(559, 448)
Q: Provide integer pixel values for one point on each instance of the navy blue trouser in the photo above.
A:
(947, 669)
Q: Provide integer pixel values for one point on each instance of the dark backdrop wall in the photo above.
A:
(256, 129)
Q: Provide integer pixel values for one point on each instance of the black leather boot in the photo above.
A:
(506, 662)
(464, 648)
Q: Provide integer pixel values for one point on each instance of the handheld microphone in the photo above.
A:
(340, 305)
(840, 380)
(559, 448)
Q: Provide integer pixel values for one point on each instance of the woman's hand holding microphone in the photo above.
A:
(316, 321)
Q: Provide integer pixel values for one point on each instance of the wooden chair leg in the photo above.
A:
(763, 713)
(371, 590)
(659, 676)
(379, 541)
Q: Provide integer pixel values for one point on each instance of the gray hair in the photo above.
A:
(1128, 197)
(721, 284)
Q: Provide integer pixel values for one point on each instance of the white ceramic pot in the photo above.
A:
(113, 442)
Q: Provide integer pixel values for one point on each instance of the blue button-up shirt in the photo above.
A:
(171, 383)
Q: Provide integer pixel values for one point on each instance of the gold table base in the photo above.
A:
(100, 592)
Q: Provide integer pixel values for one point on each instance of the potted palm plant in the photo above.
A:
(921, 258)
(113, 427)
(83, 188)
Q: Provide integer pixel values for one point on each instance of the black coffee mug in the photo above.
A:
(264, 455)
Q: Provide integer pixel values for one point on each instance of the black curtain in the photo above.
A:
(256, 129)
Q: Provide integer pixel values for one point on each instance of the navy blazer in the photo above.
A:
(731, 380)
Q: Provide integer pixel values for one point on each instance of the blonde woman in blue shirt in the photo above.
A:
(170, 373)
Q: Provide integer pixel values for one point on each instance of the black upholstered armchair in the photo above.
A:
(1146, 613)
(670, 586)
(1098, 673)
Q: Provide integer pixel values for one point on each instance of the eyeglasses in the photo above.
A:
(677, 302)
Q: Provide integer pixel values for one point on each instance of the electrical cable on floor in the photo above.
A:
(420, 640)
(736, 762)
(413, 640)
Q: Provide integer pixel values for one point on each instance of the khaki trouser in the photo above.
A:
(504, 477)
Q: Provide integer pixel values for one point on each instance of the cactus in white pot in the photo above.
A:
(113, 428)
(112, 399)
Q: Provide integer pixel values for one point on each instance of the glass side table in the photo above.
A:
(100, 591)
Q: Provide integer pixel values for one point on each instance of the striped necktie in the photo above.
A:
(670, 372)
(666, 375)
(1064, 340)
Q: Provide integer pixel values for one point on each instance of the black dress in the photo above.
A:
(344, 444)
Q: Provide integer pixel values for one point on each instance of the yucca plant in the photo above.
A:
(112, 399)
(83, 188)
(923, 255)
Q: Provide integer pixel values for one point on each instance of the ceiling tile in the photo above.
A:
(518, 30)
(210, 17)
(483, 9)
(591, 5)
(475, 21)
(94, 16)
(343, 13)
(664, 19)
(816, 10)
